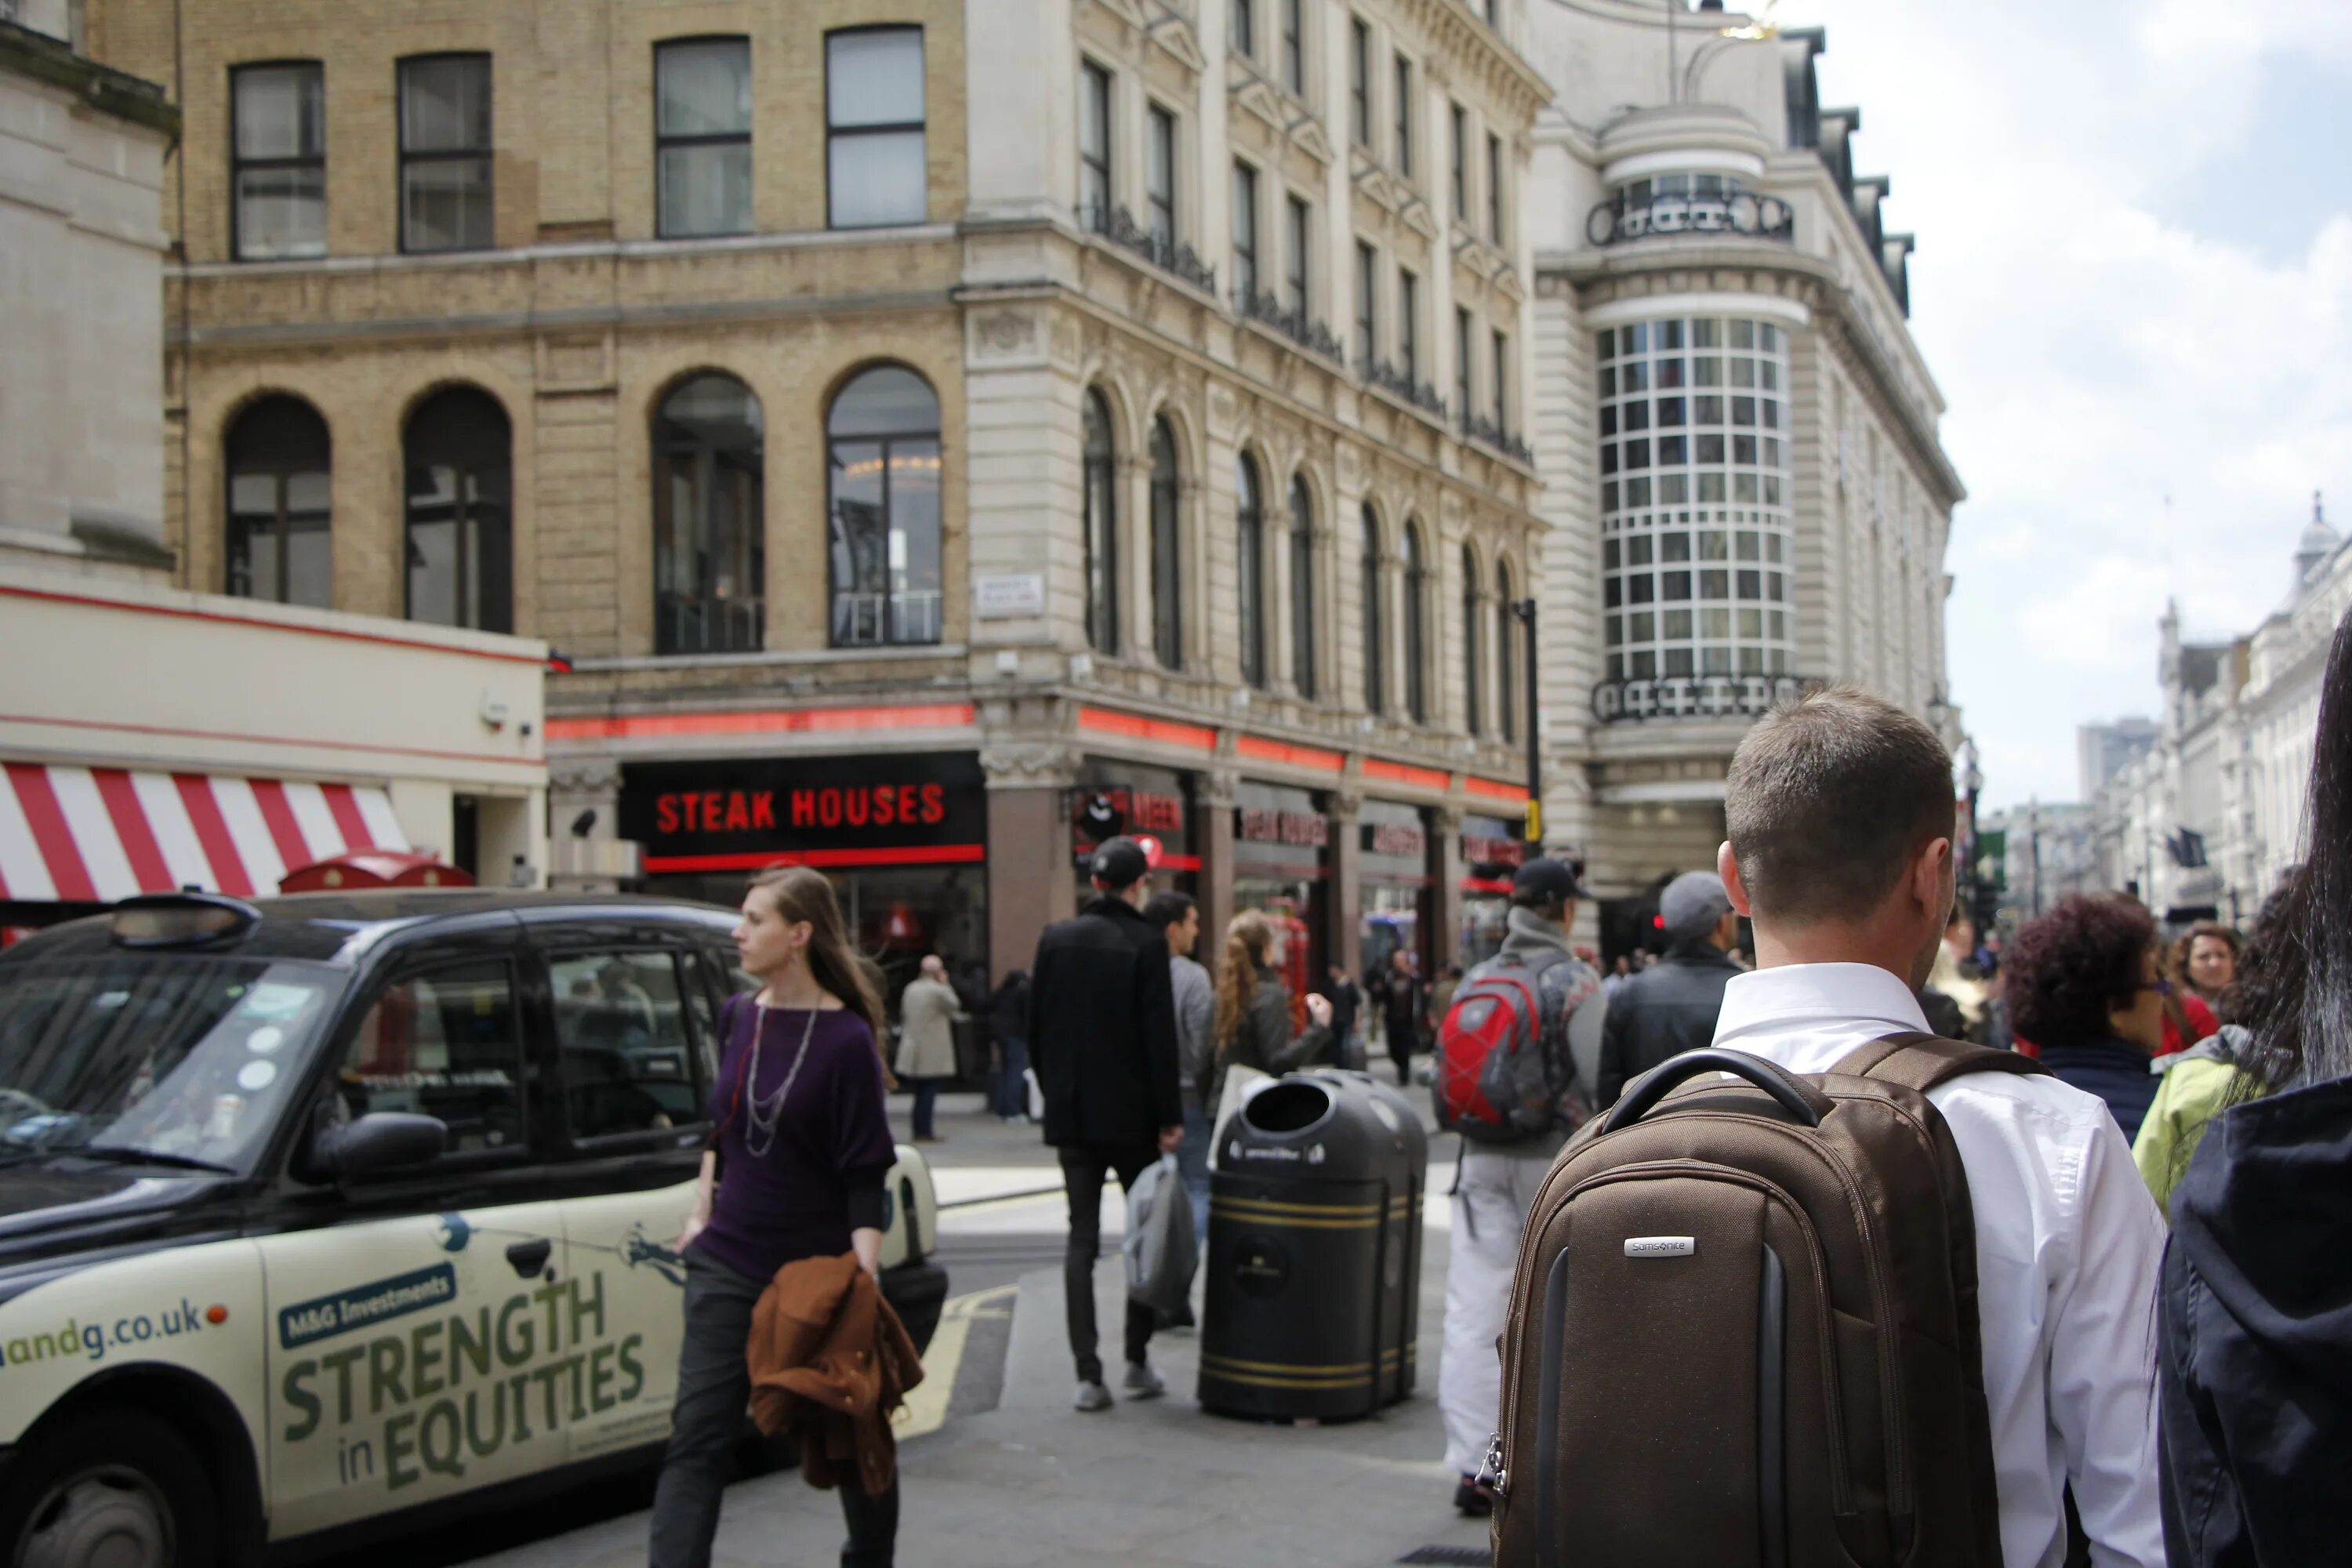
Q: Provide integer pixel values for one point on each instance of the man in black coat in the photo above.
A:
(1102, 1041)
(1671, 1007)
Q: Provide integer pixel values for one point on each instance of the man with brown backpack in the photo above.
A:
(1853, 1293)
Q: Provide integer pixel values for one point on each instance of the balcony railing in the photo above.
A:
(1397, 384)
(1295, 324)
(1696, 697)
(1487, 432)
(1634, 215)
(886, 619)
(1118, 224)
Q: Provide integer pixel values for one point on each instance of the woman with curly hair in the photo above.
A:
(2082, 984)
(2204, 1080)
(1253, 1018)
(2204, 962)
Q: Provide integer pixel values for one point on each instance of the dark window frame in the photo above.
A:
(238, 163)
(1404, 116)
(1375, 615)
(1249, 586)
(1298, 242)
(1359, 82)
(1466, 338)
(921, 126)
(708, 457)
(1408, 315)
(1099, 475)
(1495, 192)
(1167, 546)
(1303, 662)
(486, 154)
(1507, 647)
(1247, 279)
(1241, 28)
(280, 469)
(460, 505)
(1460, 119)
(1367, 305)
(1095, 88)
(1163, 144)
(1474, 634)
(1416, 625)
(1294, 47)
(1498, 368)
(884, 441)
(714, 139)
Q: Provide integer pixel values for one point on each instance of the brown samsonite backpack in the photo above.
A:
(1743, 1328)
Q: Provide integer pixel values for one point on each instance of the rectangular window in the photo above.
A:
(279, 161)
(1160, 177)
(703, 137)
(1498, 365)
(1408, 325)
(445, 154)
(876, 176)
(1244, 233)
(1494, 189)
(1301, 234)
(446, 1044)
(1463, 339)
(1094, 147)
(1403, 116)
(1461, 164)
(1359, 82)
(626, 1051)
(1368, 317)
(1242, 21)
(1294, 46)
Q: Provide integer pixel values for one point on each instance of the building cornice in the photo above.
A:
(1509, 76)
(109, 91)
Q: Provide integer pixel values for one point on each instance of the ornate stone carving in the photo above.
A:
(1028, 765)
(1006, 331)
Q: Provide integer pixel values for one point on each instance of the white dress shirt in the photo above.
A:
(2068, 1247)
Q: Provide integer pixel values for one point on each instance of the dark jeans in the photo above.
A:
(1012, 1082)
(927, 1099)
(1083, 1171)
(1404, 1039)
(714, 1390)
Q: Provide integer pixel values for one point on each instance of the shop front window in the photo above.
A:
(1282, 869)
(1396, 904)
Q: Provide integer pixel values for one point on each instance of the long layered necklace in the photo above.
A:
(761, 1113)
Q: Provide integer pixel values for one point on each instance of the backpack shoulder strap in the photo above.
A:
(1922, 1062)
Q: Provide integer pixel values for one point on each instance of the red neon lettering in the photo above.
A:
(666, 814)
(860, 807)
(803, 807)
(935, 804)
(739, 813)
(764, 809)
(828, 808)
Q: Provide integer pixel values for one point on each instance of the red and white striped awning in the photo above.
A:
(95, 834)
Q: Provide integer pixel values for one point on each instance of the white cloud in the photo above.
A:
(2099, 357)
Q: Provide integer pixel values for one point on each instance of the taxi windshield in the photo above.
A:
(172, 1059)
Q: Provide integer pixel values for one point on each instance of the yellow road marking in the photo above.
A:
(925, 1409)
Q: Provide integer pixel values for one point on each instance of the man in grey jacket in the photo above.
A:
(1179, 918)
(1671, 1007)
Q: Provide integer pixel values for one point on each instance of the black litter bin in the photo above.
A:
(1312, 1304)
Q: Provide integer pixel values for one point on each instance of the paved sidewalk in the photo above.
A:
(1033, 1484)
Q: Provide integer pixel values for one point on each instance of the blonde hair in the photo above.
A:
(803, 895)
(1249, 936)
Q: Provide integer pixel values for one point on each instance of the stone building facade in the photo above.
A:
(1737, 433)
(928, 444)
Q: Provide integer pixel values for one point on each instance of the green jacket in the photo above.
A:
(2195, 1089)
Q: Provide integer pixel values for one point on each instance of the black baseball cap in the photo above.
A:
(1550, 879)
(1118, 862)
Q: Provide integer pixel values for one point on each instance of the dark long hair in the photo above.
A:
(801, 894)
(2298, 988)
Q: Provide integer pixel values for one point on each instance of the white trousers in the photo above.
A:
(1490, 1210)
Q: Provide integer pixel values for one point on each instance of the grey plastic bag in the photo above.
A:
(1161, 1250)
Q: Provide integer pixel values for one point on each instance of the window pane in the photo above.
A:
(878, 178)
(707, 189)
(444, 1045)
(281, 111)
(446, 204)
(1159, 175)
(875, 78)
(706, 87)
(889, 400)
(281, 213)
(914, 473)
(860, 544)
(626, 1060)
(444, 105)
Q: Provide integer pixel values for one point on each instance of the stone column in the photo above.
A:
(1347, 935)
(1213, 832)
(1030, 882)
(584, 862)
(1445, 864)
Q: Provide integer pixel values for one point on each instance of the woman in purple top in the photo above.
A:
(794, 1170)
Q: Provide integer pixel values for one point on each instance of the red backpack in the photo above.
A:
(1492, 1084)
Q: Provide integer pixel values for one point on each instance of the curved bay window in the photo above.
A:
(280, 484)
(1698, 551)
(1474, 639)
(882, 468)
(1099, 501)
(1376, 694)
(1416, 628)
(709, 547)
(1507, 654)
(1302, 586)
(458, 452)
(1249, 544)
(1167, 559)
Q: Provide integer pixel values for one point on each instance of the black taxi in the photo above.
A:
(329, 1211)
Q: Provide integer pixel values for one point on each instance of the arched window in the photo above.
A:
(1249, 541)
(459, 451)
(1507, 654)
(709, 551)
(1302, 586)
(280, 474)
(1474, 637)
(1416, 628)
(1100, 500)
(1376, 691)
(882, 478)
(1167, 560)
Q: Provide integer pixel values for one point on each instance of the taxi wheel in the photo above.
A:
(110, 1490)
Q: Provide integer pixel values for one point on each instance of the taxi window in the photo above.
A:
(626, 1057)
(445, 1043)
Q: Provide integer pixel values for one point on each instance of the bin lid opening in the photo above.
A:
(1291, 1106)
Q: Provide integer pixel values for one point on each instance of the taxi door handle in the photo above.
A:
(529, 1256)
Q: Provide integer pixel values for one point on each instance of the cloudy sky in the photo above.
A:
(2134, 284)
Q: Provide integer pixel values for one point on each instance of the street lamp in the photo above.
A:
(1525, 609)
(1971, 784)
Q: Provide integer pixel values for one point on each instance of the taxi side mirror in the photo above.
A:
(379, 1141)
